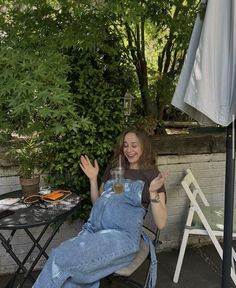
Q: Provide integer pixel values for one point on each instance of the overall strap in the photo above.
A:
(153, 267)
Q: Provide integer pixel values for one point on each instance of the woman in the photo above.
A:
(110, 238)
(138, 159)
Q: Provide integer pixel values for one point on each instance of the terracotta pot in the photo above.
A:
(30, 186)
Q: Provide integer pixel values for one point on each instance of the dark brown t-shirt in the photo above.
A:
(146, 175)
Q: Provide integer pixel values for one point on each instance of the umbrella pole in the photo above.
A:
(229, 205)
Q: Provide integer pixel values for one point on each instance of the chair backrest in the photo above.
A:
(207, 217)
(192, 188)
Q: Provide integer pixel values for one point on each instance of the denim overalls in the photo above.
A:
(107, 242)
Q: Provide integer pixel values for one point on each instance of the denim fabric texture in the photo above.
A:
(108, 241)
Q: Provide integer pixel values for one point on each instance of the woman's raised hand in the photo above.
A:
(157, 182)
(90, 170)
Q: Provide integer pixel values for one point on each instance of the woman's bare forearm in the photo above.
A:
(158, 200)
(94, 192)
(159, 210)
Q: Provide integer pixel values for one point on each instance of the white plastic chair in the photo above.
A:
(202, 220)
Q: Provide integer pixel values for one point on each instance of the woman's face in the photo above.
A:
(132, 149)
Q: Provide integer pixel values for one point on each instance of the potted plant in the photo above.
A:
(28, 155)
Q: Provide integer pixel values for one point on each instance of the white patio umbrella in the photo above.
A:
(206, 91)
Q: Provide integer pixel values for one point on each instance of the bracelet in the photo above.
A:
(156, 199)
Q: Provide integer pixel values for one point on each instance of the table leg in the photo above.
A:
(21, 264)
(35, 241)
(6, 244)
(27, 274)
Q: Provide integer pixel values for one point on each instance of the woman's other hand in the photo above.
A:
(90, 170)
(159, 210)
(157, 182)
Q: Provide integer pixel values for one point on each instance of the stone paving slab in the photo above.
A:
(201, 269)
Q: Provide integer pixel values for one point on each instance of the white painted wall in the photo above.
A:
(209, 171)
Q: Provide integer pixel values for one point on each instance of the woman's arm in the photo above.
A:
(91, 171)
(157, 200)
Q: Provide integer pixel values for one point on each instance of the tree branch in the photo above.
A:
(130, 43)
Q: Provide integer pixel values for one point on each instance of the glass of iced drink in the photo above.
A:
(118, 179)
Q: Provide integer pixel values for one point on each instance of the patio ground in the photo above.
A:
(201, 269)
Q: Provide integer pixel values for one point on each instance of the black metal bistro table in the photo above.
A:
(26, 217)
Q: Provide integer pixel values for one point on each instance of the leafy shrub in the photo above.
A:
(98, 80)
(63, 75)
(29, 155)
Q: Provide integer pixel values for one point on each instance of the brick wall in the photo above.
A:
(208, 168)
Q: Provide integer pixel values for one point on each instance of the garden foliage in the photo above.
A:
(65, 88)
(66, 65)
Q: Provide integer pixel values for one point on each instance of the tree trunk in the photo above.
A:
(137, 48)
(149, 106)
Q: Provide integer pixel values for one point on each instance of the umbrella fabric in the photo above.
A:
(207, 84)
(207, 92)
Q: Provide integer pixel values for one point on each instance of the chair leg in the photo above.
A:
(233, 275)
(147, 275)
(219, 249)
(146, 280)
(181, 255)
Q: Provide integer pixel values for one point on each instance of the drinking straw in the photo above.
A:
(120, 167)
